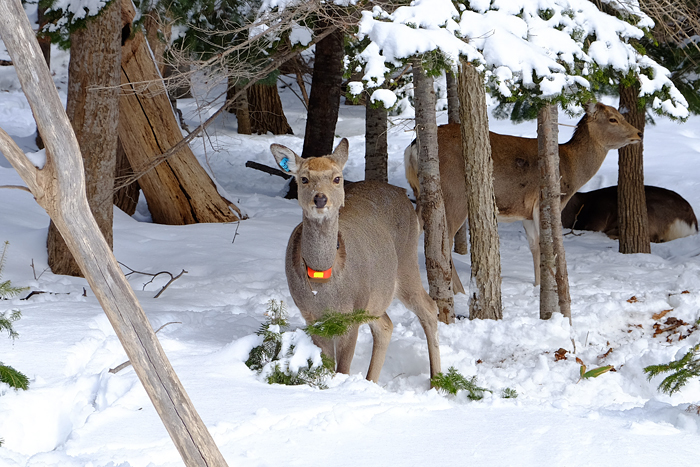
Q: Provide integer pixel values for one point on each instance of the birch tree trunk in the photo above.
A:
(631, 200)
(485, 300)
(376, 146)
(59, 187)
(554, 279)
(438, 259)
(93, 109)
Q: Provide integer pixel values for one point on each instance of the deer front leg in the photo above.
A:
(344, 350)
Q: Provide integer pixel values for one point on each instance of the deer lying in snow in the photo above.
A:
(670, 215)
(354, 249)
(516, 176)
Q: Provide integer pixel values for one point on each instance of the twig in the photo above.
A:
(128, 362)
(153, 276)
(34, 271)
(267, 169)
(235, 234)
(16, 187)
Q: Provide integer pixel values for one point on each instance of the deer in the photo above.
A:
(516, 176)
(356, 248)
(669, 215)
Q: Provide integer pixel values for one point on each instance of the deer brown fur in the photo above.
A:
(368, 237)
(516, 176)
(669, 215)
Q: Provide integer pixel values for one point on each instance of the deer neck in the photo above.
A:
(581, 158)
(319, 242)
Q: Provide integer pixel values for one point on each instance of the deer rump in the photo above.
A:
(516, 176)
(670, 216)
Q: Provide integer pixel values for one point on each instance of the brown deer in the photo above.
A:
(670, 215)
(354, 249)
(516, 176)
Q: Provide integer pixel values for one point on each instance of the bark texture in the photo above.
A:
(239, 107)
(59, 187)
(485, 300)
(93, 109)
(438, 259)
(376, 146)
(631, 200)
(178, 190)
(266, 112)
(324, 98)
(453, 109)
(554, 279)
(127, 197)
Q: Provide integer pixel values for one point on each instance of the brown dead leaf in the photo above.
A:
(686, 291)
(479, 361)
(579, 361)
(632, 299)
(560, 355)
(693, 408)
(610, 350)
(660, 314)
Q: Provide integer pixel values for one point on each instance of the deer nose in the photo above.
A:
(640, 134)
(320, 200)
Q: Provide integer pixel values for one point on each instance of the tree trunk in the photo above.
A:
(93, 109)
(460, 240)
(266, 112)
(126, 198)
(438, 260)
(554, 279)
(59, 187)
(631, 200)
(239, 107)
(376, 146)
(178, 190)
(324, 98)
(485, 301)
(44, 41)
(158, 34)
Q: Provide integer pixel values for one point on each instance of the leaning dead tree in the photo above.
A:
(59, 187)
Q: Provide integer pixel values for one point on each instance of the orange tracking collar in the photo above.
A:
(319, 276)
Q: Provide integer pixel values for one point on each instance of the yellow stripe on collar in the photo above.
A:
(319, 276)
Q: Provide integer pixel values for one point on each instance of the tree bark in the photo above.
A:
(266, 112)
(93, 109)
(44, 41)
(178, 190)
(376, 146)
(554, 279)
(126, 198)
(631, 200)
(453, 108)
(485, 300)
(240, 106)
(324, 98)
(59, 187)
(438, 260)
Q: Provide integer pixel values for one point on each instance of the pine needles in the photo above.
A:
(9, 375)
(681, 370)
(452, 382)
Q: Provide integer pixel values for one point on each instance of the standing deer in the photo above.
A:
(354, 250)
(516, 175)
(669, 215)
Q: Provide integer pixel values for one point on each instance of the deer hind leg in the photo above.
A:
(381, 335)
(345, 350)
(417, 300)
(532, 230)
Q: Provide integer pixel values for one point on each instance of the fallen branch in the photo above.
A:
(267, 169)
(153, 276)
(119, 368)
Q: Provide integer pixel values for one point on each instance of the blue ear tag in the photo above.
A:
(284, 163)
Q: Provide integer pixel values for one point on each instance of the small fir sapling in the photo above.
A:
(681, 371)
(9, 375)
(452, 382)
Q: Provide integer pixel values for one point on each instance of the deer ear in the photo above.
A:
(285, 157)
(591, 108)
(340, 155)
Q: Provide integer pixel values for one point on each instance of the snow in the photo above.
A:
(76, 413)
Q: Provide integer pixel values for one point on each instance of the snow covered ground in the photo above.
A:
(76, 413)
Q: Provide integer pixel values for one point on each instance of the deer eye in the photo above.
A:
(613, 120)
(336, 180)
(304, 180)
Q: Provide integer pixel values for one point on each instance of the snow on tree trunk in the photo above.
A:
(376, 146)
(554, 279)
(178, 190)
(324, 98)
(438, 259)
(485, 287)
(265, 110)
(631, 200)
(93, 109)
(59, 187)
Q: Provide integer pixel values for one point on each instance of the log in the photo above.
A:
(178, 190)
(59, 187)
